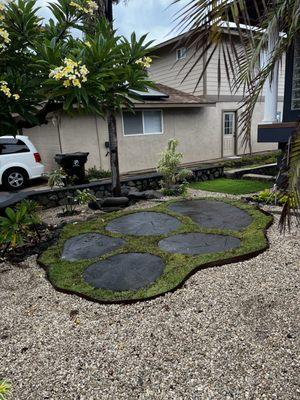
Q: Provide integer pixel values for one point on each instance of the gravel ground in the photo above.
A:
(231, 332)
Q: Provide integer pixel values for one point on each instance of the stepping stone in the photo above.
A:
(198, 243)
(89, 245)
(130, 271)
(213, 214)
(144, 224)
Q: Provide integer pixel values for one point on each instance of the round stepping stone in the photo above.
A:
(144, 224)
(130, 271)
(89, 245)
(198, 243)
(213, 214)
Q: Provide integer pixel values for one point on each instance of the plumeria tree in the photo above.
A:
(45, 67)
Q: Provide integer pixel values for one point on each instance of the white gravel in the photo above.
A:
(231, 332)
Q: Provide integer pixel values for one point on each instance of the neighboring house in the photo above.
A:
(204, 122)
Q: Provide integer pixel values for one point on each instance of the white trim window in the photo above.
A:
(148, 122)
(229, 123)
(181, 53)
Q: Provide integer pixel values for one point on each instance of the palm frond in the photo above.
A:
(288, 181)
(236, 32)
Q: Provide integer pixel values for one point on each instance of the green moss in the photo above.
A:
(231, 186)
(67, 276)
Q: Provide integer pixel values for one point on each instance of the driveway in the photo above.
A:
(5, 196)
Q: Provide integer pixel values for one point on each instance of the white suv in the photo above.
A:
(19, 162)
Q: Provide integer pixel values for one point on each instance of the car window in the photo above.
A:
(12, 146)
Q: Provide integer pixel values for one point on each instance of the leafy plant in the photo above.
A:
(57, 178)
(5, 388)
(169, 167)
(84, 196)
(14, 228)
(95, 173)
(275, 197)
(70, 207)
(17, 224)
(209, 22)
(32, 208)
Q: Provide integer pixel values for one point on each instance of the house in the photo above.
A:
(204, 121)
(173, 61)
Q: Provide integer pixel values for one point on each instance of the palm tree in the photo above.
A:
(253, 21)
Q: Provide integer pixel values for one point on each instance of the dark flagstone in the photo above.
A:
(198, 243)
(130, 271)
(144, 224)
(213, 214)
(89, 245)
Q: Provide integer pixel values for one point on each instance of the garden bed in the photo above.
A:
(67, 276)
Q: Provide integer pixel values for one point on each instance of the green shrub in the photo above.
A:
(84, 196)
(81, 197)
(169, 167)
(57, 178)
(17, 224)
(95, 173)
(5, 388)
(274, 197)
(255, 159)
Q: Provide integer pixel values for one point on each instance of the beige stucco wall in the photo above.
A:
(46, 140)
(198, 130)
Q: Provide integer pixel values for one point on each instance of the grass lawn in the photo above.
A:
(231, 186)
(68, 276)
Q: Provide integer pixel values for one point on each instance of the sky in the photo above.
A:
(155, 17)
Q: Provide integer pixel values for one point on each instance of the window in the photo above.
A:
(142, 122)
(11, 146)
(229, 123)
(181, 53)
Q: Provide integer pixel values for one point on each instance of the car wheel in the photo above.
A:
(15, 179)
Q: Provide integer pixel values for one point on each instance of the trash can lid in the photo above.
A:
(76, 154)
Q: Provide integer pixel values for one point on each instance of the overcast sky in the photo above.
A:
(155, 17)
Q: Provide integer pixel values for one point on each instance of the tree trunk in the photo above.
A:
(113, 152)
(112, 127)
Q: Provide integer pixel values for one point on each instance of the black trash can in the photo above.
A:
(73, 165)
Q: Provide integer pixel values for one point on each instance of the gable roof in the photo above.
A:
(172, 98)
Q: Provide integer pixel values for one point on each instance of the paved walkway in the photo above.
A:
(5, 196)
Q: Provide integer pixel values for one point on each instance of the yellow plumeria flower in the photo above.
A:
(72, 73)
(5, 89)
(16, 96)
(88, 44)
(66, 83)
(76, 82)
(5, 36)
(144, 62)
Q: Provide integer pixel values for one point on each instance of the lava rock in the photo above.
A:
(146, 195)
(115, 201)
